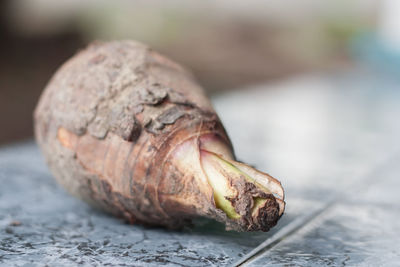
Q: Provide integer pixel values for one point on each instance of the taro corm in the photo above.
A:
(131, 132)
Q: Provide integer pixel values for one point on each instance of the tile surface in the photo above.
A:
(331, 140)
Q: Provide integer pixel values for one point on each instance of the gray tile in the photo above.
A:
(348, 235)
(361, 228)
(319, 135)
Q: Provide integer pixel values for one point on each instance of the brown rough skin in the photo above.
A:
(110, 124)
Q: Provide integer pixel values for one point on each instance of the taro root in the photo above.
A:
(131, 132)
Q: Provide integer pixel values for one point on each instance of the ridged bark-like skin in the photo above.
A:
(109, 124)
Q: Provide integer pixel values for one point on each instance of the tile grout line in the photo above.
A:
(285, 232)
(301, 222)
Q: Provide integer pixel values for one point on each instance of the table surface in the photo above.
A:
(331, 139)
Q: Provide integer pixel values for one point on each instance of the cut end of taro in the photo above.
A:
(252, 200)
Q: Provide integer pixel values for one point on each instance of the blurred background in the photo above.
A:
(229, 45)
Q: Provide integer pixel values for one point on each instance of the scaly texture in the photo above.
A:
(123, 128)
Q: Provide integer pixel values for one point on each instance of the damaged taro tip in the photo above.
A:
(131, 132)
